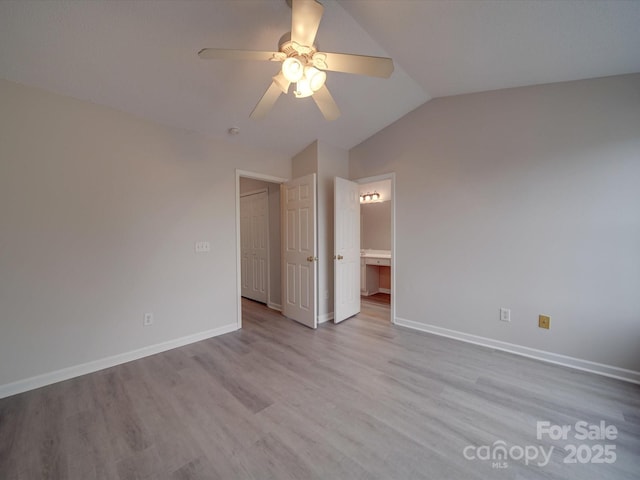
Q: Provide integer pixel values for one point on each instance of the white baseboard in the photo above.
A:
(564, 360)
(95, 365)
(274, 306)
(325, 317)
(380, 290)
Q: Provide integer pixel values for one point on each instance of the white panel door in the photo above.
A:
(299, 261)
(347, 249)
(254, 233)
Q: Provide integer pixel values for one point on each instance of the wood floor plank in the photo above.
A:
(197, 469)
(358, 400)
(250, 397)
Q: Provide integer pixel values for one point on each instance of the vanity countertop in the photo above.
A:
(375, 254)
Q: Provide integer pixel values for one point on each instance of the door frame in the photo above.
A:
(264, 178)
(376, 178)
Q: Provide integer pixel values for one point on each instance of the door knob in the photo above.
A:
(340, 257)
(312, 259)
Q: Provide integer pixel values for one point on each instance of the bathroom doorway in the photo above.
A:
(377, 220)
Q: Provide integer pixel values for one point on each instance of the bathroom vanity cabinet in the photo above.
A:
(370, 263)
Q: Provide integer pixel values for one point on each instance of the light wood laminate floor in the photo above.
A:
(384, 298)
(359, 400)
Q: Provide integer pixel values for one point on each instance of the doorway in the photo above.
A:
(258, 248)
(255, 233)
(292, 245)
(377, 236)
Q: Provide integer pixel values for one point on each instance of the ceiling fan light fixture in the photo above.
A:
(292, 69)
(302, 64)
(303, 88)
(316, 78)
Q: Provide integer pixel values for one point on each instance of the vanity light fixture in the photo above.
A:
(369, 197)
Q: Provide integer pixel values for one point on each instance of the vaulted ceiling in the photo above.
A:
(140, 56)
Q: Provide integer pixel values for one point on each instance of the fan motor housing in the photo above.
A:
(286, 46)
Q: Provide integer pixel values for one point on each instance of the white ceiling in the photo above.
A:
(140, 57)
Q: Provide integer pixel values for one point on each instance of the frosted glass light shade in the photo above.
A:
(292, 69)
(316, 78)
(303, 88)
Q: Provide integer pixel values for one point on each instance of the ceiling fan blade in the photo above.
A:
(326, 103)
(305, 19)
(358, 64)
(228, 54)
(267, 101)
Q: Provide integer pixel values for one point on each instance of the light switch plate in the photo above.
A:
(202, 247)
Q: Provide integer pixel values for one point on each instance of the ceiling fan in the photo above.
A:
(303, 64)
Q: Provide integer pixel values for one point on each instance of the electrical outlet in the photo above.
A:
(148, 319)
(544, 321)
(505, 314)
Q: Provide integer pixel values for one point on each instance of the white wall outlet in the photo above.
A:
(202, 247)
(148, 319)
(505, 314)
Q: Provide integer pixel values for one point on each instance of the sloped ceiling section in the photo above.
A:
(461, 46)
(140, 57)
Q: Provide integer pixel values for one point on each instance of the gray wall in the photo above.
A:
(99, 213)
(527, 198)
(332, 162)
(275, 279)
(375, 224)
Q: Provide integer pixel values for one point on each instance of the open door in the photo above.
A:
(299, 261)
(347, 249)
